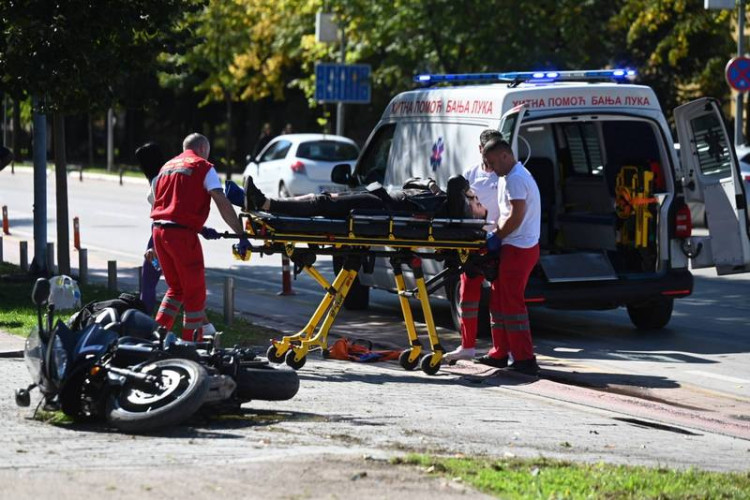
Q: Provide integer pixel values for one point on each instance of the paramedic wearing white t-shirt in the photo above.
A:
(518, 232)
(484, 183)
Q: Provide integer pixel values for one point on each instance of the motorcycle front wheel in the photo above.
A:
(183, 385)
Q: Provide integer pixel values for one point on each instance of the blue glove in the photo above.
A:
(210, 233)
(242, 247)
(493, 242)
(234, 193)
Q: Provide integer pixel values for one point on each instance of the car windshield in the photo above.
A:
(327, 151)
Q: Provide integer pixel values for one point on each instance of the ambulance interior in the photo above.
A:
(602, 183)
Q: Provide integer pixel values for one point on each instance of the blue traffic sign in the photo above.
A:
(738, 73)
(342, 83)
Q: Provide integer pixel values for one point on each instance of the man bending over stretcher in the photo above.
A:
(417, 196)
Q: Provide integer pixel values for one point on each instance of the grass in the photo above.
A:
(18, 313)
(546, 478)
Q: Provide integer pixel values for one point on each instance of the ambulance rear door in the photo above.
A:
(712, 176)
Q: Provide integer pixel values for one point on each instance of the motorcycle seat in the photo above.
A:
(135, 323)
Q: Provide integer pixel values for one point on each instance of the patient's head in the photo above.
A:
(462, 200)
(475, 207)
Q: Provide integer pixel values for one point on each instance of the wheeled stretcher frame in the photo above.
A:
(405, 240)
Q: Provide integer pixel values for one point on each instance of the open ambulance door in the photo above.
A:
(510, 123)
(712, 176)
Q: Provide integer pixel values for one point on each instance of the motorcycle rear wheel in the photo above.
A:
(267, 383)
(184, 388)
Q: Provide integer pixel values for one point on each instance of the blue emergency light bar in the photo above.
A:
(531, 76)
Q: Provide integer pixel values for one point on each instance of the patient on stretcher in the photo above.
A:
(418, 196)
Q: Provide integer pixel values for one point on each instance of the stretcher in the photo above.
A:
(405, 239)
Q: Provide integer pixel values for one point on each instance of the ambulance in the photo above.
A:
(616, 228)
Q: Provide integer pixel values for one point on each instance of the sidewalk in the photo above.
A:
(11, 346)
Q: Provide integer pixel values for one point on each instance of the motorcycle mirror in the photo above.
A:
(40, 293)
(23, 398)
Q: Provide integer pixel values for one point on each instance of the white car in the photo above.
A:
(295, 164)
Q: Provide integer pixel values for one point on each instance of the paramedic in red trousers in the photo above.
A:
(483, 182)
(183, 191)
(517, 236)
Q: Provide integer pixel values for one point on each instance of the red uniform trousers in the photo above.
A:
(181, 258)
(470, 292)
(509, 318)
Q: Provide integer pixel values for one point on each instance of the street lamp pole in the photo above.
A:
(340, 105)
(738, 111)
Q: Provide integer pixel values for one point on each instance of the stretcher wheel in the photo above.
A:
(273, 355)
(403, 360)
(325, 353)
(290, 355)
(426, 366)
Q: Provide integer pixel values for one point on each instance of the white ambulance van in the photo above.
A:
(616, 228)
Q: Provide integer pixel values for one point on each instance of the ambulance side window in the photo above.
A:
(713, 153)
(374, 162)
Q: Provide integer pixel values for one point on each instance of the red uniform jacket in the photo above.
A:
(179, 194)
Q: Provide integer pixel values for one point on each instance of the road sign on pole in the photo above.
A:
(342, 83)
(738, 73)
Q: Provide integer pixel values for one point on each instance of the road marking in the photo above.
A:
(719, 377)
(121, 215)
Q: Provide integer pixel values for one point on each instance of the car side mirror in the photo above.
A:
(342, 174)
(249, 158)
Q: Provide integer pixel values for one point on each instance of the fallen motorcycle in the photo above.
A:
(137, 377)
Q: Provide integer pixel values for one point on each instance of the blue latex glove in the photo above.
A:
(210, 233)
(242, 247)
(234, 193)
(493, 242)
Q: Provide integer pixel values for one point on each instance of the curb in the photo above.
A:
(11, 354)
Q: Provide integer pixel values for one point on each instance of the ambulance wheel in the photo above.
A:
(292, 363)
(651, 315)
(273, 355)
(403, 360)
(426, 364)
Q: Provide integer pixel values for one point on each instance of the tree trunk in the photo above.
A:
(230, 159)
(61, 189)
(15, 141)
(38, 265)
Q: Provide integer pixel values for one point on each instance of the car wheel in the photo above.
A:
(651, 315)
(283, 191)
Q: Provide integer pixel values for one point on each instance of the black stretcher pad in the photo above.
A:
(372, 228)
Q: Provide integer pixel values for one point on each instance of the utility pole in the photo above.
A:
(340, 104)
(39, 264)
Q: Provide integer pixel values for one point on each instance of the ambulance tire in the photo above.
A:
(651, 315)
(358, 298)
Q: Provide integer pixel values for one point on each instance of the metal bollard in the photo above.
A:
(51, 259)
(228, 300)
(2, 259)
(23, 252)
(76, 234)
(286, 277)
(6, 223)
(112, 275)
(83, 266)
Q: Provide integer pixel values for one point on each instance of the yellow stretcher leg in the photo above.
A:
(294, 348)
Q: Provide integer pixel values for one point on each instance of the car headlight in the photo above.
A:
(59, 358)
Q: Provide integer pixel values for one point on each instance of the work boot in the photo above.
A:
(254, 197)
(526, 366)
(493, 362)
(460, 353)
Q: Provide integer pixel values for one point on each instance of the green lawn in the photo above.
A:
(18, 313)
(544, 478)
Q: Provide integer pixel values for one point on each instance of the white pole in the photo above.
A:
(340, 105)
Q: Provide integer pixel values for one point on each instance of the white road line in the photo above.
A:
(719, 377)
(121, 215)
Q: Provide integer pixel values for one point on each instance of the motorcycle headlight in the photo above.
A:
(59, 358)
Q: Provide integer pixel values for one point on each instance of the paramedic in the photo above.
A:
(182, 199)
(517, 235)
(484, 183)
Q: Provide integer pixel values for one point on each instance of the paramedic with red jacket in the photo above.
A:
(182, 192)
(517, 236)
(483, 182)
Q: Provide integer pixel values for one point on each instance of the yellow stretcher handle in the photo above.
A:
(237, 256)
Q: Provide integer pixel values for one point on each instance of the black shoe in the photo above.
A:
(493, 362)
(254, 197)
(526, 366)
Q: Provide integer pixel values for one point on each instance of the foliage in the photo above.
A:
(679, 47)
(77, 55)
(546, 478)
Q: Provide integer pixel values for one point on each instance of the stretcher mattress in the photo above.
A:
(371, 228)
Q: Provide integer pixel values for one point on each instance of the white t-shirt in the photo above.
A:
(484, 185)
(520, 185)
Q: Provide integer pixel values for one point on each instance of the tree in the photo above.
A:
(75, 56)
